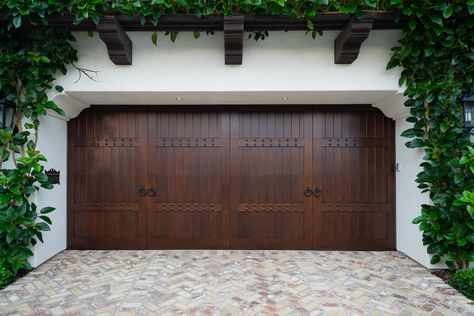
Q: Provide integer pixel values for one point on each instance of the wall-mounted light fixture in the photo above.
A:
(53, 176)
(7, 114)
(468, 112)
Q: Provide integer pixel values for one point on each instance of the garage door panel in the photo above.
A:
(107, 171)
(188, 166)
(106, 224)
(270, 166)
(352, 157)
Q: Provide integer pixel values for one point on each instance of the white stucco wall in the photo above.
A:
(285, 65)
(409, 197)
(52, 143)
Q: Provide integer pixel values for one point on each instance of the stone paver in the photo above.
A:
(225, 282)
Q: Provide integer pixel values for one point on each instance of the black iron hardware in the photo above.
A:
(142, 191)
(8, 111)
(151, 192)
(468, 112)
(53, 176)
(317, 192)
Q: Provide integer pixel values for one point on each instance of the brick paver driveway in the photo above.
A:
(204, 282)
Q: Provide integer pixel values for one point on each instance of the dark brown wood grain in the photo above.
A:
(105, 210)
(348, 42)
(270, 168)
(231, 177)
(119, 45)
(188, 163)
(353, 158)
(233, 39)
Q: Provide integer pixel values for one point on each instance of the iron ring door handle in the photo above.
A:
(317, 192)
(142, 191)
(151, 192)
(308, 192)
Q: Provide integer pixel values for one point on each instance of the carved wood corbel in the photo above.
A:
(233, 39)
(119, 45)
(347, 44)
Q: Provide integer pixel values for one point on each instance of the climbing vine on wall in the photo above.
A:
(436, 52)
(437, 56)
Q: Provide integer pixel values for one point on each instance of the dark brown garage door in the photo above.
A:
(240, 177)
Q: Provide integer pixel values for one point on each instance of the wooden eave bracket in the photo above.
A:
(347, 44)
(233, 39)
(119, 45)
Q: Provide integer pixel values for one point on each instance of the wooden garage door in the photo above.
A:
(188, 166)
(231, 177)
(107, 168)
(270, 166)
(354, 170)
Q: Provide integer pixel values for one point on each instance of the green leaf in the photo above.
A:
(470, 238)
(39, 235)
(464, 160)
(154, 38)
(447, 12)
(448, 43)
(435, 259)
(173, 36)
(46, 210)
(470, 8)
(95, 18)
(417, 220)
(10, 237)
(197, 35)
(415, 143)
(309, 24)
(46, 219)
(17, 21)
(43, 226)
(5, 198)
(436, 19)
(462, 242)
(458, 178)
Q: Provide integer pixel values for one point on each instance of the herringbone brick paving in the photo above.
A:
(226, 282)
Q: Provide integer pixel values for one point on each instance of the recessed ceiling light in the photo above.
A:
(284, 99)
(179, 99)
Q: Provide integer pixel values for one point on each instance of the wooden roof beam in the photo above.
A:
(119, 45)
(233, 39)
(347, 44)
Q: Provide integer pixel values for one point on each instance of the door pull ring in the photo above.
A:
(308, 192)
(142, 191)
(151, 192)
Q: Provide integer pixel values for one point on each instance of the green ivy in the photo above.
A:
(29, 62)
(436, 53)
(437, 56)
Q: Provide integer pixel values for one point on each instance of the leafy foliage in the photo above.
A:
(436, 53)
(29, 61)
(437, 56)
(463, 281)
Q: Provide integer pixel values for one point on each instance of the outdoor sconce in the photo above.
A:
(53, 176)
(468, 112)
(7, 114)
